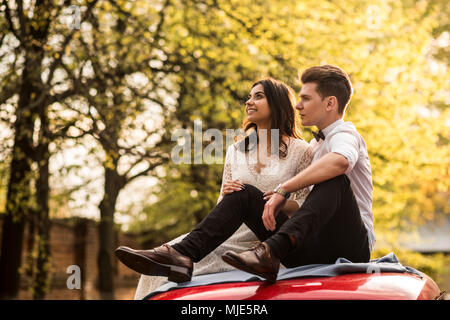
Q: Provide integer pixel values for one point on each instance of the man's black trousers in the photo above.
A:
(327, 226)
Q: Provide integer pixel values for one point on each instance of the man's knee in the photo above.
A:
(341, 181)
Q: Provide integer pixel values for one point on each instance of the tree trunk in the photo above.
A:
(41, 283)
(29, 269)
(19, 202)
(113, 185)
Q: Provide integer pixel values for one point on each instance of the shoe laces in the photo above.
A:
(260, 249)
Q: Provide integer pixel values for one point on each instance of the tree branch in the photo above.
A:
(10, 22)
(23, 21)
(67, 40)
(150, 168)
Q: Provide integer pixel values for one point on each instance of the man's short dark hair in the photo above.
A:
(331, 81)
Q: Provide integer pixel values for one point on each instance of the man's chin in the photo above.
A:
(306, 124)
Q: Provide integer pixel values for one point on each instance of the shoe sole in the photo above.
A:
(239, 265)
(149, 267)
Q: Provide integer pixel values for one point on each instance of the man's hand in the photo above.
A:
(271, 210)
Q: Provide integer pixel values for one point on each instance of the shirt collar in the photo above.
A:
(330, 128)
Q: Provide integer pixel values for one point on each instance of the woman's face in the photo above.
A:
(257, 107)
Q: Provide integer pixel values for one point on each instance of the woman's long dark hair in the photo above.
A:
(281, 100)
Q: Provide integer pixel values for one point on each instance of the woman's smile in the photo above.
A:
(251, 110)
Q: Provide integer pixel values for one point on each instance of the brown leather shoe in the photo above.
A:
(258, 261)
(160, 261)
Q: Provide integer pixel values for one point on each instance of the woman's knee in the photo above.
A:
(250, 189)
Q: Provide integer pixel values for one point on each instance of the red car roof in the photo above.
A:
(365, 286)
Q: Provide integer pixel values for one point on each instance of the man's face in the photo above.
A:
(311, 107)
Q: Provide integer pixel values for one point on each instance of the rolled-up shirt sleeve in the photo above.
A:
(346, 144)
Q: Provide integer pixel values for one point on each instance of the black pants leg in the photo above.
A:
(245, 206)
(326, 227)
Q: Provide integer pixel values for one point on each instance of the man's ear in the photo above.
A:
(332, 103)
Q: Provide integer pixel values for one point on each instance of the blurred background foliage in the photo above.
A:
(135, 71)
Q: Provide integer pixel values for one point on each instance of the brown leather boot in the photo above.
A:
(160, 261)
(257, 261)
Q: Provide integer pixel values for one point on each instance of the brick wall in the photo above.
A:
(75, 242)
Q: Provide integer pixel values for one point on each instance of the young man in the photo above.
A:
(334, 221)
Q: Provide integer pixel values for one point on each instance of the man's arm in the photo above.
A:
(327, 167)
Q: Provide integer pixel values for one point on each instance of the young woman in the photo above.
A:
(252, 160)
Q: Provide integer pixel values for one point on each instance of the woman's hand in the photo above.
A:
(232, 186)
